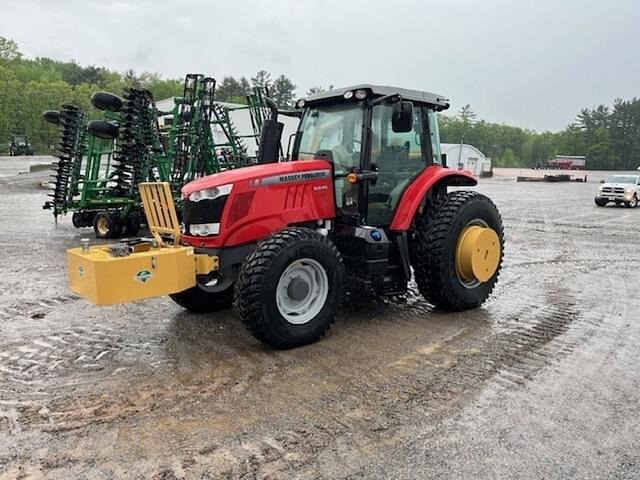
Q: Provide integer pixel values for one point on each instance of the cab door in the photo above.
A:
(397, 158)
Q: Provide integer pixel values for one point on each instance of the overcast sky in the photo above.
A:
(532, 64)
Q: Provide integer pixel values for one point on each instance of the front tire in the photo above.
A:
(289, 288)
(199, 301)
(633, 203)
(601, 202)
(436, 255)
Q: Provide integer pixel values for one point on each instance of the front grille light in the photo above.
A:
(204, 229)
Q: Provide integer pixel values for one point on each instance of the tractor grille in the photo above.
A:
(204, 211)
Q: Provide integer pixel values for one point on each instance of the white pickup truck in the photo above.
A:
(619, 189)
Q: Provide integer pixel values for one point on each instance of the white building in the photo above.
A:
(466, 157)
(242, 122)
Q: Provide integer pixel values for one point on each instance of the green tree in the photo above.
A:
(228, 89)
(467, 115)
(283, 92)
(245, 86)
(9, 49)
(262, 80)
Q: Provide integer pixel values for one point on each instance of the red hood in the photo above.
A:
(251, 173)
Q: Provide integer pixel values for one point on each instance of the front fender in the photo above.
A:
(414, 193)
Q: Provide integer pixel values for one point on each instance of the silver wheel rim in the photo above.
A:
(302, 291)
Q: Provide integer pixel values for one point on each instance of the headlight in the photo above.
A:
(628, 190)
(204, 229)
(600, 188)
(210, 193)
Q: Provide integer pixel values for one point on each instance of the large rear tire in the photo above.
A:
(199, 301)
(436, 252)
(289, 288)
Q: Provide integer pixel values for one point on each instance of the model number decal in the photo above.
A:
(295, 177)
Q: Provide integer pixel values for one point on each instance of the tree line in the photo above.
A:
(28, 87)
(609, 136)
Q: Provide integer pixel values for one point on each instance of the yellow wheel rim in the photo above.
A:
(102, 225)
(477, 254)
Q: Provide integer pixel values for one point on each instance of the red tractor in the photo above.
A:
(364, 201)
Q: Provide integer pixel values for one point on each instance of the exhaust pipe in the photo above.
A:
(270, 135)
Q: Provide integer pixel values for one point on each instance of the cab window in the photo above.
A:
(397, 157)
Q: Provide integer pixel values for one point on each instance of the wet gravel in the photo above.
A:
(541, 382)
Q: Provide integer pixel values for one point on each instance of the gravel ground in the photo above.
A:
(541, 382)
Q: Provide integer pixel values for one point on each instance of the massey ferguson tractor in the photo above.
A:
(363, 202)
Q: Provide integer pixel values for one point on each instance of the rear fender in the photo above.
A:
(432, 178)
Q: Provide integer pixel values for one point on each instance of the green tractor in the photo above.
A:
(19, 145)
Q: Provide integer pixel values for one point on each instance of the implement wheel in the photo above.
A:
(132, 224)
(107, 225)
(107, 101)
(199, 301)
(81, 219)
(457, 250)
(289, 288)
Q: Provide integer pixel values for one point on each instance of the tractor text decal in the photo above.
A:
(295, 177)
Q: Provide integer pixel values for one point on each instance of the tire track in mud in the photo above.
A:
(44, 357)
(347, 426)
(33, 308)
(361, 414)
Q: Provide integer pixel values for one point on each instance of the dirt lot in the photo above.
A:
(542, 382)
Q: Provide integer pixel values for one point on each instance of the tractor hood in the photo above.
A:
(289, 172)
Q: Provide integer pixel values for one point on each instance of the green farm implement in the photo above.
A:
(102, 161)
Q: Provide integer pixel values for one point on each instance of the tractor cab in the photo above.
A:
(377, 139)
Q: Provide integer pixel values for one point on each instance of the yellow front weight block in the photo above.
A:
(477, 254)
(104, 279)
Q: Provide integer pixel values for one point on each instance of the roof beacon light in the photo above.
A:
(348, 95)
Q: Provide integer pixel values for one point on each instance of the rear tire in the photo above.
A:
(107, 225)
(433, 249)
(289, 288)
(199, 301)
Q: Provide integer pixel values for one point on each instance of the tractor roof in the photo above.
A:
(438, 101)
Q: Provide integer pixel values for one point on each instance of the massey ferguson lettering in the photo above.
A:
(296, 177)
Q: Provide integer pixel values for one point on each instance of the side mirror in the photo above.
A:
(402, 117)
(602, 181)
